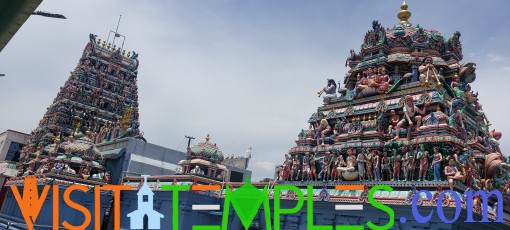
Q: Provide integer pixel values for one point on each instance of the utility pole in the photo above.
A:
(189, 140)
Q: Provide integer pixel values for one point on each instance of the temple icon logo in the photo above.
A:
(145, 217)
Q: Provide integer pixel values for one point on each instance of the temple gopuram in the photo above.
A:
(404, 115)
(97, 104)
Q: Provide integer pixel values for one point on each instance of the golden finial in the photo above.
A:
(87, 133)
(456, 76)
(352, 119)
(404, 14)
(57, 139)
(207, 138)
(114, 47)
(109, 45)
(129, 53)
(104, 43)
(438, 108)
(99, 41)
(71, 137)
(364, 117)
(357, 118)
(123, 52)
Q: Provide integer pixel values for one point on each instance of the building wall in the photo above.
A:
(141, 158)
(12, 140)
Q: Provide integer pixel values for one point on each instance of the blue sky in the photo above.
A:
(245, 72)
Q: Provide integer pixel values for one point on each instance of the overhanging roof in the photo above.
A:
(13, 13)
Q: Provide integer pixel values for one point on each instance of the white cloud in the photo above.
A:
(493, 57)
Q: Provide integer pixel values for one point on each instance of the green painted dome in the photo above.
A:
(207, 151)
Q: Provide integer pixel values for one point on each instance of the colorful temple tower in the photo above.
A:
(98, 103)
(404, 115)
(101, 91)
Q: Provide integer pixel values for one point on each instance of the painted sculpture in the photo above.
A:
(408, 109)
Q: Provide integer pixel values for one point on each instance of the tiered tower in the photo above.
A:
(405, 114)
(101, 91)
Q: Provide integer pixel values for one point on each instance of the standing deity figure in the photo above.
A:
(324, 174)
(285, 170)
(411, 156)
(456, 118)
(376, 165)
(386, 167)
(405, 162)
(361, 165)
(323, 131)
(423, 157)
(396, 166)
(313, 168)
(296, 168)
(452, 173)
(436, 163)
(306, 167)
(336, 174)
(410, 111)
(369, 166)
(330, 91)
(394, 119)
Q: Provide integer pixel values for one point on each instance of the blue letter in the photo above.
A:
(485, 205)
(416, 214)
(458, 206)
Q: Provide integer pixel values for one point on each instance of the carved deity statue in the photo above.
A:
(410, 115)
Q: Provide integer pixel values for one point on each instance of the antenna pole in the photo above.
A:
(189, 140)
(117, 29)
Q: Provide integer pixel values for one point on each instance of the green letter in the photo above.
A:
(381, 206)
(278, 210)
(309, 214)
(175, 201)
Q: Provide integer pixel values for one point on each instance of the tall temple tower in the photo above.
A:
(100, 94)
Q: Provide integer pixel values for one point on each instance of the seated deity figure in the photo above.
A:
(196, 170)
(410, 111)
(457, 86)
(494, 140)
(380, 80)
(452, 173)
(436, 164)
(330, 91)
(323, 131)
(349, 171)
(394, 119)
(428, 73)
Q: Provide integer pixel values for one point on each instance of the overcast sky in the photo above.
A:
(246, 72)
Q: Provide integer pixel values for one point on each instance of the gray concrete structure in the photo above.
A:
(11, 143)
(138, 158)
